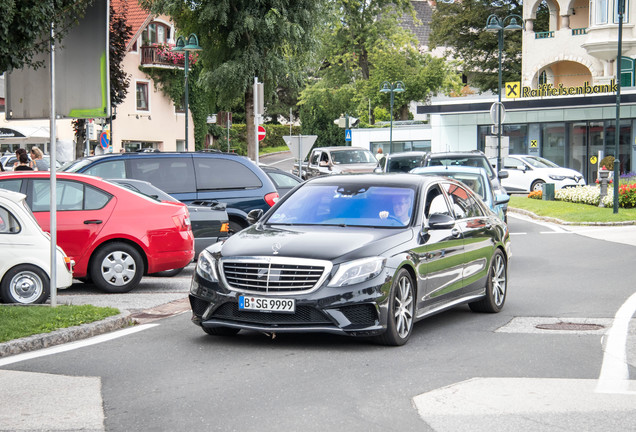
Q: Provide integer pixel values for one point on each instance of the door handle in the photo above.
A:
(94, 221)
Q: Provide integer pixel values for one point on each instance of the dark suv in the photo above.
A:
(474, 158)
(191, 177)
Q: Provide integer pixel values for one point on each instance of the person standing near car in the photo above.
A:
(39, 164)
(379, 155)
(18, 152)
(23, 163)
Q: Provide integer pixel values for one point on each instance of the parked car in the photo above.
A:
(385, 252)
(337, 160)
(25, 251)
(474, 158)
(113, 234)
(401, 162)
(192, 176)
(283, 180)
(9, 160)
(209, 220)
(475, 178)
(528, 173)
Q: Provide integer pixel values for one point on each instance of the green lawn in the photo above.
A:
(571, 212)
(21, 321)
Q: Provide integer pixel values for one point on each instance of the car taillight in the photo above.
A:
(272, 198)
(69, 263)
(182, 222)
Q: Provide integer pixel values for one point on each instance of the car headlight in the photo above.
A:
(357, 271)
(206, 267)
(557, 177)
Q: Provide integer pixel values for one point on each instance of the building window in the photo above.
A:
(155, 33)
(627, 72)
(625, 12)
(543, 78)
(601, 12)
(142, 96)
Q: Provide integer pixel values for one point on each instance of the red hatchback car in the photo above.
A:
(113, 234)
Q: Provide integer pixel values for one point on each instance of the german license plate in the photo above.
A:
(267, 304)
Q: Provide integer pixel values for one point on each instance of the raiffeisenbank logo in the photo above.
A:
(514, 90)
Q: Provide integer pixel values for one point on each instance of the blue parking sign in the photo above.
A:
(348, 135)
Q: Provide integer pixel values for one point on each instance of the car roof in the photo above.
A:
(391, 180)
(454, 168)
(406, 154)
(456, 153)
(337, 148)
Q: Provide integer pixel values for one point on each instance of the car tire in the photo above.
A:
(221, 331)
(116, 267)
(401, 312)
(25, 284)
(536, 185)
(168, 273)
(496, 286)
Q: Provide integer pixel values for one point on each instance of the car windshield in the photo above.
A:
(471, 161)
(346, 205)
(76, 165)
(403, 163)
(539, 162)
(352, 157)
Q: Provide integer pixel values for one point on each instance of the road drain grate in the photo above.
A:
(569, 326)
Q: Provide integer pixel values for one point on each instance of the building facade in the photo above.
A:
(564, 105)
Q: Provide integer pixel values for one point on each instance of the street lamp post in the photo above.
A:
(181, 46)
(396, 87)
(496, 24)
(617, 133)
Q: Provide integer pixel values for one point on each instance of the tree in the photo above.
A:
(243, 39)
(460, 27)
(25, 26)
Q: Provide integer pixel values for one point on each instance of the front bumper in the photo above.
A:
(358, 310)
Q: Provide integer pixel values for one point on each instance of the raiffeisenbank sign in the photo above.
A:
(514, 90)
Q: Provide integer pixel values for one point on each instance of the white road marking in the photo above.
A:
(522, 233)
(74, 345)
(614, 377)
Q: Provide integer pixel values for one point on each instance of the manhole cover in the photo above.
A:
(569, 326)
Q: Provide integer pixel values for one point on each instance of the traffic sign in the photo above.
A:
(348, 135)
(104, 139)
(261, 133)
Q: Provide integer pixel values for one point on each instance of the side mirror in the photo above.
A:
(502, 174)
(254, 216)
(502, 199)
(440, 221)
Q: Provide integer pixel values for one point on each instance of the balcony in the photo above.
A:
(161, 56)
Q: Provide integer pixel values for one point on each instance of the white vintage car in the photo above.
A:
(25, 252)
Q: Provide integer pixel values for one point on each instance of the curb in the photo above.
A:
(562, 222)
(65, 335)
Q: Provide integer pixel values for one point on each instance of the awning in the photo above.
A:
(24, 132)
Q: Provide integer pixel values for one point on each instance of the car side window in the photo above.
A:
(95, 199)
(464, 204)
(282, 180)
(8, 222)
(217, 173)
(12, 185)
(69, 195)
(315, 158)
(108, 170)
(435, 203)
(171, 175)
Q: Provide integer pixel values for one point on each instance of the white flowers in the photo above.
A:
(584, 194)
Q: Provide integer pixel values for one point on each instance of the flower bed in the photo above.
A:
(591, 195)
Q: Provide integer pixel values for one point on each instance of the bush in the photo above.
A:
(580, 194)
(627, 196)
(608, 162)
(536, 194)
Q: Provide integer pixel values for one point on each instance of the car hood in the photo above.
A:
(315, 242)
(567, 172)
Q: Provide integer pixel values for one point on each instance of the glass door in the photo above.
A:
(577, 158)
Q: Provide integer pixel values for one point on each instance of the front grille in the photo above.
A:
(304, 315)
(364, 314)
(198, 306)
(274, 275)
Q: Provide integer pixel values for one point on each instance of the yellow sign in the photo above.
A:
(513, 89)
(593, 160)
(534, 144)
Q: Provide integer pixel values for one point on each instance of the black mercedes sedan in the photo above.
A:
(360, 255)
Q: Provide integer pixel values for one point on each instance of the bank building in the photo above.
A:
(564, 105)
